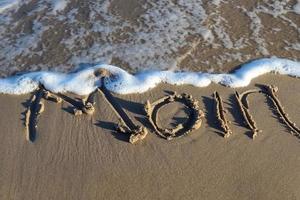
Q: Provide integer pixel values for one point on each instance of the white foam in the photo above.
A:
(7, 4)
(296, 7)
(59, 5)
(256, 26)
(84, 81)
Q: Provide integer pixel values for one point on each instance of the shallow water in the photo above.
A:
(194, 35)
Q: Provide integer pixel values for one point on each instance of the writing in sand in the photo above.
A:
(151, 110)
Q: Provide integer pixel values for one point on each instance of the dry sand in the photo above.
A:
(81, 157)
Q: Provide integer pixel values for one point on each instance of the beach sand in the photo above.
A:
(137, 35)
(82, 157)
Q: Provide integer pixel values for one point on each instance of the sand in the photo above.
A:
(146, 34)
(82, 157)
(53, 150)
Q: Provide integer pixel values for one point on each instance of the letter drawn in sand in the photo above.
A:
(244, 107)
(35, 109)
(137, 133)
(270, 91)
(193, 123)
(32, 114)
(220, 112)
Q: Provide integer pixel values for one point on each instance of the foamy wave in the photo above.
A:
(84, 82)
(161, 35)
(6, 4)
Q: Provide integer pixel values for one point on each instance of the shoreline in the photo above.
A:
(117, 80)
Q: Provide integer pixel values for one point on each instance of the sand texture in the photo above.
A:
(83, 157)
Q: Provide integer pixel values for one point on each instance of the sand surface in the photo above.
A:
(81, 157)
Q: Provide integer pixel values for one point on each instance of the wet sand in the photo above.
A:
(82, 157)
(199, 35)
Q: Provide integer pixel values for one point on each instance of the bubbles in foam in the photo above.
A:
(59, 5)
(85, 81)
(7, 4)
(296, 7)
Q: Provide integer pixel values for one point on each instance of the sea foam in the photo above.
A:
(7, 4)
(297, 7)
(84, 81)
(162, 35)
(59, 5)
